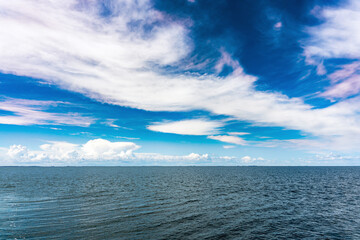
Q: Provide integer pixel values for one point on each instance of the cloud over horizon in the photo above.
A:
(103, 152)
(145, 70)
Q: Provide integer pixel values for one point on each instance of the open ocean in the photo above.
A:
(179, 203)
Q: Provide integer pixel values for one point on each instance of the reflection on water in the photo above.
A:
(180, 203)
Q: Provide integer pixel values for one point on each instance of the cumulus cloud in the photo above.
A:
(101, 152)
(248, 159)
(188, 127)
(103, 149)
(68, 153)
(229, 139)
(17, 151)
(56, 150)
(119, 59)
(31, 112)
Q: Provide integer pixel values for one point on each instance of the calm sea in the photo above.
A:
(180, 203)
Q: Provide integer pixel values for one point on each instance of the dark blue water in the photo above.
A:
(180, 203)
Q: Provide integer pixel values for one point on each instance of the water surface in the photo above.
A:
(180, 203)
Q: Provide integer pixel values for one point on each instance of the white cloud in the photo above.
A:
(116, 61)
(238, 133)
(278, 26)
(228, 146)
(129, 138)
(345, 81)
(156, 157)
(320, 69)
(105, 150)
(69, 43)
(225, 60)
(329, 159)
(346, 88)
(229, 139)
(68, 153)
(246, 159)
(345, 144)
(338, 36)
(17, 151)
(101, 152)
(31, 112)
(56, 150)
(188, 127)
(111, 123)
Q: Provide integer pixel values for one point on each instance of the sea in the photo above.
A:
(180, 203)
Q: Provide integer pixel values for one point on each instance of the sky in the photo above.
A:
(183, 82)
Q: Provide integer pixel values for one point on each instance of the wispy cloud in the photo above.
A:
(345, 82)
(228, 146)
(348, 143)
(33, 112)
(238, 133)
(111, 123)
(337, 37)
(129, 138)
(229, 139)
(119, 60)
(188, 127)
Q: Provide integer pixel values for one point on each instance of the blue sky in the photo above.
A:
(179, 82)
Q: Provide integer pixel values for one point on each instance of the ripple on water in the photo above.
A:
(180, 203)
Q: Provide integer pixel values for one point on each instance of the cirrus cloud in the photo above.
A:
(337, 36)
(229, 139)
(33, 112)
(187, 127)
(120, 59)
